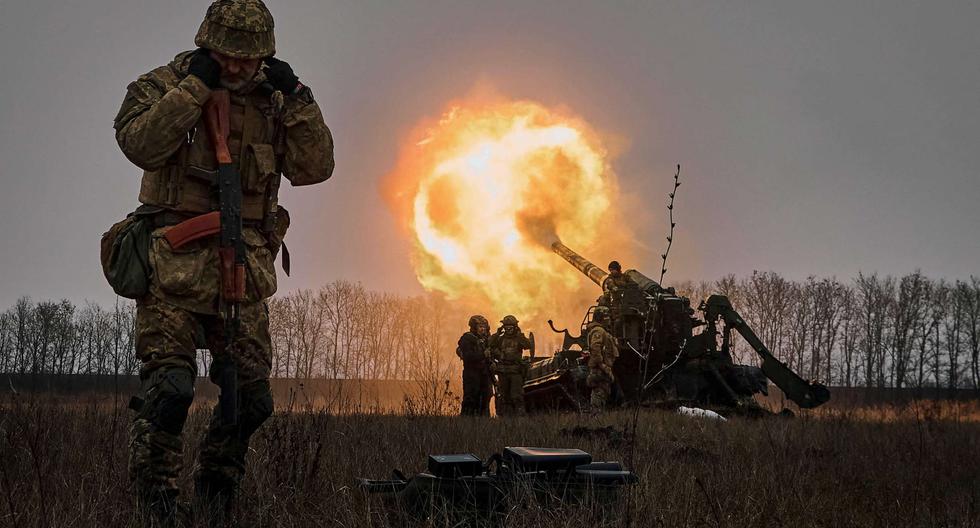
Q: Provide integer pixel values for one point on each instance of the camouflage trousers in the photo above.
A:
(601, 384)
(510, 393)
(167, 338)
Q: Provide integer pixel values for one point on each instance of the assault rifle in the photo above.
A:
(231, 248)
(227, 223)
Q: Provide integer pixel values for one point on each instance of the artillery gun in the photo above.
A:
(660, 355)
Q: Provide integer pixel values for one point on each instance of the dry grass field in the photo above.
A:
(918, 465)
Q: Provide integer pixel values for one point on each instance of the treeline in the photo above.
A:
(60, 338)
(344, 331)
(873, 331)
(339, 331)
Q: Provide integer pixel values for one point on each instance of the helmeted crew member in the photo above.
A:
(616, 278)
(507, 348)
(477, 378)
(603, 352)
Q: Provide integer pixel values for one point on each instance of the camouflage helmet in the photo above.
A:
(238, 28)
(509, 320)
(478, 320)
(614, 265)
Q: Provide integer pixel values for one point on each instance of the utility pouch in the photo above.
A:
(261, 283)
(258, 167)
(124, 255)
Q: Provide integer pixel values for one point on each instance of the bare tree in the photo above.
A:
(970, 298)
(908, 311)
(849, 336)
(874, 301)
(827, 297)
(766, 303)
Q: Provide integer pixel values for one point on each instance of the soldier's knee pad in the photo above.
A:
(168, 396)
(256, 407)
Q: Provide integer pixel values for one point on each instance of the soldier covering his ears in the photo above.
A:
(507, 348)
(275, 129)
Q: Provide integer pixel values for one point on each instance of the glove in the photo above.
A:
(281, 75)
(205, 68)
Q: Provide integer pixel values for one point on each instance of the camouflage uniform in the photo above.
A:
(507, 351)
(476, 375)
(616, 279)
(615, 282)
(160, 129)
(602, 356)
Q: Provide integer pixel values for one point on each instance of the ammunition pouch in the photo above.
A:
(260, 263)
(190, 189)
(125, 254)
(258, 167)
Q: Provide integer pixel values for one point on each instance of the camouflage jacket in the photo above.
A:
(160, 129)
(472, 350)
(613, 282)
(508, 351)
(603, 350)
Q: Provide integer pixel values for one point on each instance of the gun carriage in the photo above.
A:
(661, 356)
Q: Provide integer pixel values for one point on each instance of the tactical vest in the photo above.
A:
(257, 143)
(510, 349)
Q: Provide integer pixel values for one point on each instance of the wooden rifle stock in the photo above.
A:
(216, 112)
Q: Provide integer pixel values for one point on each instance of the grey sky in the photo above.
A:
(815, 137)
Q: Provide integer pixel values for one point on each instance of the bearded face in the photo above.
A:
(236, 73)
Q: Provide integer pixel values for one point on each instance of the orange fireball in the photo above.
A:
(487, 188)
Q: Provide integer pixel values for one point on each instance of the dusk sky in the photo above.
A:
(816, 138)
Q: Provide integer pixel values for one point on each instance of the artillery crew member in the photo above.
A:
(603, 352)
(274, 129)
(616, 279)
(507, 348)
(477, 378)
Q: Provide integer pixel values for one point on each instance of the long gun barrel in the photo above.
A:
(597, 274)
(587, 268)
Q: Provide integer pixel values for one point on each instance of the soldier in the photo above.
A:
(603, 352)
(472, 350)
(616, 278)
(276, 129)
(507, 348)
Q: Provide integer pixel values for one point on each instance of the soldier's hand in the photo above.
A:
(281, 75)
(205, 68)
